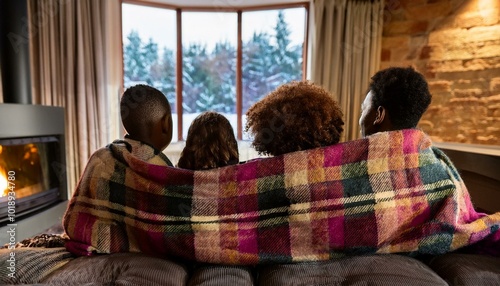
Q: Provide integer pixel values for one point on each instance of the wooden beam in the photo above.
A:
(239, 76)
(306, 44)
(178, 76)
(216, 7)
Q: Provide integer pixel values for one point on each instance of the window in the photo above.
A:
(272, 52)
(219, 72)
(209, 65)
(149, 49)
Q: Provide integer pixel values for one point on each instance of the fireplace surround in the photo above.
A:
(32, 159)
(33, 189)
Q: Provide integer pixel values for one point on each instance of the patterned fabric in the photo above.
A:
(389, 193)
(31, 264)
(41, 240)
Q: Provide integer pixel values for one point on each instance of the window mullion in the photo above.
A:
(178, 95)
(305, 46)
(239, 74)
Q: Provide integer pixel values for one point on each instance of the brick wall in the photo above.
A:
(456, 45)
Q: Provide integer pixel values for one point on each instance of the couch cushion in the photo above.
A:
(31, 264)
(361, 270)
(119, 269)
(467, 269)
(216, 275)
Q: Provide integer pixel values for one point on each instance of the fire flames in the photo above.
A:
(4, 184)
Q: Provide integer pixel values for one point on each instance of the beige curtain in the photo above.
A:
(346, 44)
(76, 64)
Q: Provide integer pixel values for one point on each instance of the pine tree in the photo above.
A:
(223, 77)
(287, 60)
(150, 59)
(209, 78)
(167, 78)
(195, 78)
(134, 68)
(282, 37)
(266, 66)
(257, 56)
(142, 65)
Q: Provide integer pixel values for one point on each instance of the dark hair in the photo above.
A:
(210, 143)
(141, 106)
(296, 116)
(403, 92)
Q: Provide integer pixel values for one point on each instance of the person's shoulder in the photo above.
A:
(101, 154)
(101, 159)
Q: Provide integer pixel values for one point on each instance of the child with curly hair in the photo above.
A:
(210, 143)
(296, 116)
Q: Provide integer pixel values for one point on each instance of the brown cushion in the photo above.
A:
(216, 275)
(467, 269)
(32, 264)
(119, 269)
(361, 270)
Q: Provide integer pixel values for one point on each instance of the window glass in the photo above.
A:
(272, 52)
(149, 50)
(209, 65)
(272, 46)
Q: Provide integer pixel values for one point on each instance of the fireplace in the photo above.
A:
(33, 192)
(30, 168)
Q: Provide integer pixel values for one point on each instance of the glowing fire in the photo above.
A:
(4, 184)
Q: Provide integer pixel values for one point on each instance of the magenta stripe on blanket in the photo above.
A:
(334, 157)
(87, 221)
(336, 226)
(247, 171)
(247, 236)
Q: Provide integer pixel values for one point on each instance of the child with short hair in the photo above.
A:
(147, 117)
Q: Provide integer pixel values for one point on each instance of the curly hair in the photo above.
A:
(210, 143)
(296, 116)
(403, 92)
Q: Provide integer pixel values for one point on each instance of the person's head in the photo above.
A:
(210, 143)
(397, 99)
(296, 116)
(146, 116)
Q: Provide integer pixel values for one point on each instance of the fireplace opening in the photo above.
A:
(29, 168)
(32, 169)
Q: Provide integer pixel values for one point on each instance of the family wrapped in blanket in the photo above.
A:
(391, 192)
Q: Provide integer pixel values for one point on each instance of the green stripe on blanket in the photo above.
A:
(389, 193)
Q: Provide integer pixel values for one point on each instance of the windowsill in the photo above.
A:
(471, 148)
(245, 149)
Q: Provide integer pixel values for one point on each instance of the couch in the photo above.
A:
(56, 266)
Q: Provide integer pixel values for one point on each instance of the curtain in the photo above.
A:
(346, 46)
(76, 64)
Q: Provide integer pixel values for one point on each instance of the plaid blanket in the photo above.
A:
(389, 193)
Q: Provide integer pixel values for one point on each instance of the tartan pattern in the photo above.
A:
(389, 193)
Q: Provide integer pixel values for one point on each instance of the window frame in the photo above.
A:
(239, 49)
